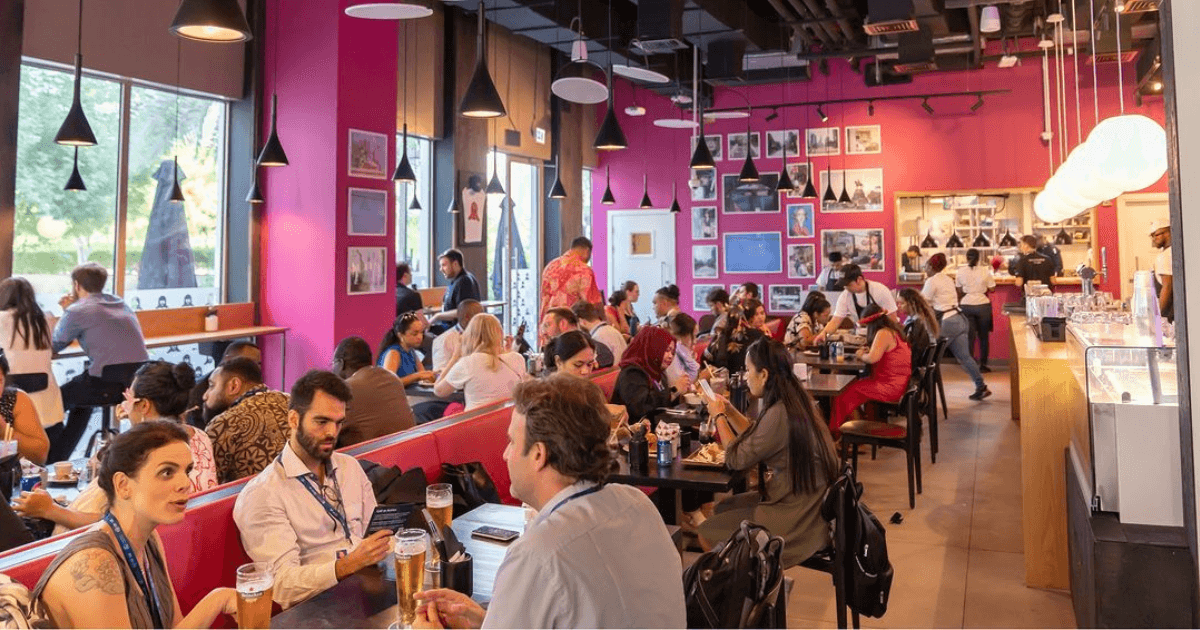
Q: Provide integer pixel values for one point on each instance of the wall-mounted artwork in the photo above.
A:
(366, 212)
(759, 196)
(798, 171)
(700, 295)
(802, 261)
(704, 222)
(861, 247)
(800, 220)
(368, 154)
(785, 298)
(704, 184)
(704, 261)
(777, 140)
(366, 271)
(715, 146)
(473, 203)
(863, 185)
(753, 252)
(823, 141)
(864, 140)
(737, 145)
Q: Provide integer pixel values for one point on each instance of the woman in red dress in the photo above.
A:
(891, 359)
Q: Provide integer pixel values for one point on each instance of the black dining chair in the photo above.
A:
(120, 376)
(931, 388)
(839, 501)
(30, 382)
(906, 437)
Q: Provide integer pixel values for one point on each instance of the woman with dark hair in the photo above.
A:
(398, 350)
(747, 324)
(892, 361)
(633, 292)
(115, 574)
(791, 448)
(921, 324)
(942, 295)
(572, 352)
(666, 304)
(642, 385)
(618, 311)
(25, 341)
(976, 282)
(17, 411)
(812, 317)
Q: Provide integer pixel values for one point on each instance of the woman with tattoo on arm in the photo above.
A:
(115, 574)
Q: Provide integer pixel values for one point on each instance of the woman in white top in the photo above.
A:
(482, 367)
(942, 295)
(25, 340)
(976, 282)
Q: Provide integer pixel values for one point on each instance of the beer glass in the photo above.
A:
(439, 500)
(255, 586)
(410, 572)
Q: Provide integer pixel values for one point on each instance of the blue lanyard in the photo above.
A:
(338, 517)
(573, 497)
(144, 579)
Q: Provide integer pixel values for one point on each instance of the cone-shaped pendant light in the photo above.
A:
(844, 197)
(272, 153)
(954, 241)
(981, 241)
(749, 170)
(75, 129)
(1008, 240)
(702, 157)
(646, 203)
(829, 197)
(1062, 238)
(416, 204)
(255, 194)
(608, 199)
(481, 99)
(675, 209)
(75, 182)
(404, 170)
(176, 191)
(810, 191)
(610, 137)
(494, 187)
(558, 191)
(929, 242)
(211, 21)
(785, 181)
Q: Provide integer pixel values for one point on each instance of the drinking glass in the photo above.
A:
(255, 588)
(439, 500)
(410, 572)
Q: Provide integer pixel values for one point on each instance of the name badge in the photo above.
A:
(342, 553)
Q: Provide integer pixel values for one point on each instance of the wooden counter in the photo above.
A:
(1047, 401)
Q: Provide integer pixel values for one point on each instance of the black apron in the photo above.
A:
(858, 310)
(1169, 311)
(835, 277)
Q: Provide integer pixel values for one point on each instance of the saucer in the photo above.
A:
(71, 480)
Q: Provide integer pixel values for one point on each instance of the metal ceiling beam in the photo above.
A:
(756, 29)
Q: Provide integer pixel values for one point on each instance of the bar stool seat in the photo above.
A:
(120, 376)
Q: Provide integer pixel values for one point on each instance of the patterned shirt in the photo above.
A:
(247, 436)
(567, 280)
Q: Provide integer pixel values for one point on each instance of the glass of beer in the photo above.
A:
(439, 500)
(255, 586)
(410, 572)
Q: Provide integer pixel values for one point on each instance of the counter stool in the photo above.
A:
(120, 376)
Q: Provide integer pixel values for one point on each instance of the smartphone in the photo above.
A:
(707, 390)
(390, 517)
(496, 534)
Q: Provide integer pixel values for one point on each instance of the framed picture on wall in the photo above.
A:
(863, 185)
(748, 197)
(864, 140)
(368, 154)
(473, 203)
(704, 184)
(716, 146)
(800, 220)
(861, 247)
(737, 145)
(700, 295)
(778, 140)
(704, 261)
(802, 261)
(704, 222)
(366, 211)
(753, 252)
(366, 270)
(785, 298)
(823, 141)
(798, 171)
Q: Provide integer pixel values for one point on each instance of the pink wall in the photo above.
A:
(334, 72)
(954, 149)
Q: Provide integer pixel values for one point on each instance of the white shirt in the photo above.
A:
(880, 294)
(684, 363)
(482, 384)
(444, 346)
(612, 338)
(25, 358)
(282, 524)
(975, 282)
(940, 292)
(600, 560)
(1162, 264)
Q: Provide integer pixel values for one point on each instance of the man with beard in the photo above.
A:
(307, 512)
(249, 425)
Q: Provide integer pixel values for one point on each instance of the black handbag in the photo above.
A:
(472, 486)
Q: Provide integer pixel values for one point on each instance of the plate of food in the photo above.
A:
(708, 456)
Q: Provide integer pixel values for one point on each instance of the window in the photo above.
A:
(586, 197)
(413, 233)
(57, 230)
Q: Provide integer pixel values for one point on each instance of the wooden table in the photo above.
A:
(828, 385)
(673, 480)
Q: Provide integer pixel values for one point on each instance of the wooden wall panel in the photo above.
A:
(422, 63)
(521, 69)
(472, 139)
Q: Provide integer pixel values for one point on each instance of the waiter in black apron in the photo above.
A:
(858, 294)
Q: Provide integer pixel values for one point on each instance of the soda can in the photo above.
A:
(666, 453)
(29, 482)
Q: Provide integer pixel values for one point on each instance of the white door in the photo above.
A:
(641, 247)
(1135, 213)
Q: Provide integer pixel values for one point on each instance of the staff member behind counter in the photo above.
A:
(1032, 265)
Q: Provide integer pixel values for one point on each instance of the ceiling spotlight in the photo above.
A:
(773, 115)
(1156, 86)
(821, 113)
(1119, 6)
(635, 110)
(978, 104)
(871, 108)
(1056, 18)
(989, 21)
(1044, 43)
(926, 106)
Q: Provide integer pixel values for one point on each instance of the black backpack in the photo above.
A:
(739, 584)
(868, 571)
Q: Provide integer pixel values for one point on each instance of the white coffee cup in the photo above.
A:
(801, 371)
(63, 470)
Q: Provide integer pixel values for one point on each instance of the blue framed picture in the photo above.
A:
(753, 252)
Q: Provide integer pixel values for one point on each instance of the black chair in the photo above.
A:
(931, 388)
(937, 376)
(832, 559)
(31, 382)
(906, 437)
(120, 376)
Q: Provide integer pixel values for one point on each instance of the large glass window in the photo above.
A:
(514, 245)
(413, 233)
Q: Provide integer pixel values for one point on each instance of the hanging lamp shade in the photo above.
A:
(1062, 238)
(646, 203)
(810, 191)
(75, 182)
(844, 197)
(702, 158)
(675, 209)
(211, 21)
(610, 137)
(388, 11)
(494, 187)
(75, 129)
(176, 191)
(1008, 240)
(981, 241)
(558, 191)
(255, 194)
(481, 100)
(929, 242)
(785, 181)
(574, 81)
(608, 198)
(749, 171)
(416, 204)
(829, 196)
(404, 170)
(272, 153)
(954, 241)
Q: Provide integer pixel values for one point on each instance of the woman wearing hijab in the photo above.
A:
(641, 385)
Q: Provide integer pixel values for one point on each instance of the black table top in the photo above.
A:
(850, 364)
(675, 477)
(828, 385)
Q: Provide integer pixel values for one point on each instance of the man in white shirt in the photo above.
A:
(596, 555)
(859, 293)
(591, 321)
(306, 513)
(446, 343)
(1160, 236)
(560, 320)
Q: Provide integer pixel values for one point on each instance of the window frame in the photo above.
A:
(425, 189)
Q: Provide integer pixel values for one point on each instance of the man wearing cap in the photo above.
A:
(858, 294)
(1160, 237)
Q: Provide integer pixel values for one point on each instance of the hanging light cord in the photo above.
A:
(1095, 72)
(79, 31)
(1075, 59)
(1120, 64)
(178, 60)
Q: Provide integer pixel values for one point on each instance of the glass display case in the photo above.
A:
(1127, 453)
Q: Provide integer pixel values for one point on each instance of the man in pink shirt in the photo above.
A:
(569, 279)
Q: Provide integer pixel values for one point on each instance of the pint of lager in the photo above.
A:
(255, 586)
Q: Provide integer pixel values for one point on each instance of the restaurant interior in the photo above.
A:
(265, 171)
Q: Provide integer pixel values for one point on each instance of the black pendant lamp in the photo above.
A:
(785, 180)
(255, 194)
(610, 137)
(1062, 238)
(702, 157)
(494, 187)
(810, 191)
(954, 241)
(481, 99)
(981, 241)
(75, 129)
(675, 209)
(404, 170)
(272, 153)
(646, 203)
(749, 170)
(844, 197)
(75, 182)
(416, 204)
(176, 191)
(608, 198)
(1008, 240)
(829, 197)
(929, 242)
(558, 191)
(211, 21)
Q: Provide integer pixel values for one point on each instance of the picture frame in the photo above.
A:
(864, 140)
(704, 261)
(865, 188)
(704, 223)
(822, 141)
(473, 205)
(798, 171)
(366, 270)
(368, 154)
(700, 295)
(366, 212)
(863, 247)
(749, 197)
(778, 140)
(800, 220)
(737, 145)
(703, 184)
(753, 252)
(801, 260)
(785, 298)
